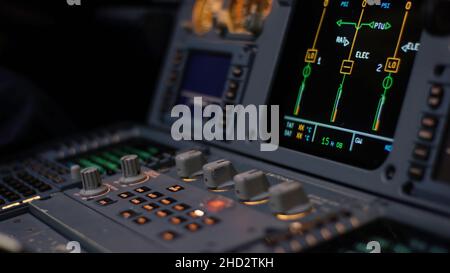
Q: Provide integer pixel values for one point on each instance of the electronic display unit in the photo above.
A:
(343, 76)
(205, 76)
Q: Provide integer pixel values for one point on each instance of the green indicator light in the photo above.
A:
(153, 150)
(88, 164)
(140, 153)
(111, 157)
(104, 163)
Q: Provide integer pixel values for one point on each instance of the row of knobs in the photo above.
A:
(286, 198)
(91, 181)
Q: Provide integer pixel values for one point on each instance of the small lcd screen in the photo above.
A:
(205, 75)
(343, 77)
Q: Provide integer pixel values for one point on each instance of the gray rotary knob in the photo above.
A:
(189, 164)
(131, 170)
(218, 174)
(251, 185)
(288, 198)
(92, 183)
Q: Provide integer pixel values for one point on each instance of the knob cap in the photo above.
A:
(131, 170)
(251, 186)
(189, 164)
(92, 183)
(75, 173)
(288, 198)
(218, 174)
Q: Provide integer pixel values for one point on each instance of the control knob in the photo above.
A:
(189, 164)
(218, 174)
(92, 183)
(251, 185)
(288, 198)
(131, 170)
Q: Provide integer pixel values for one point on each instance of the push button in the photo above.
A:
(416, 172)
(150, 207)
(177, 220)
(421, 152)
(426, 134)
(169, 235)
(141, 220)
(137, 201)
(210, 221)
(105, 201)
(154, 195)
(167, 201)
(142, 189)
(175, 188)
(163, 213)
(193, 227)
(436, 94)
(128, 214)
(125, 195)
(429, 122)
(181, 207)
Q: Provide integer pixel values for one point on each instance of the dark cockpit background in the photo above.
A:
(58, 63)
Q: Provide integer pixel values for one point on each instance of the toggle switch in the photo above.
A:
(251, 185)
(189, 164)
(288, 198)
(218, 174)
(92, 183)
(131, 170)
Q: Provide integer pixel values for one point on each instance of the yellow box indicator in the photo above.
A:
(347, 67)
(392, 65)
(311, 55)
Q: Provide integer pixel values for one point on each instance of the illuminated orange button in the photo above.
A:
(210, 221)
(137, 201)
(127, 214)
(168, 235)
(150, 207)
(181, 207)
(124, 195)
(177, 220)
(175, 188)
(193, 227)
(196, 213)
(141, 220)
(142, 189)
(163, 213)
(167, 201)
(154, 195)
(216, 205)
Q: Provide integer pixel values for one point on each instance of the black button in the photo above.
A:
(426, 134)
(421, 152)
(105, 201)
(416, 172)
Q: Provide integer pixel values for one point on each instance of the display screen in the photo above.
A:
(205, 76)
(343, 77)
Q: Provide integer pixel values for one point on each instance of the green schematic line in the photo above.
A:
(371, 25)
(307, 70)
(338, 99)
(388, 82)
